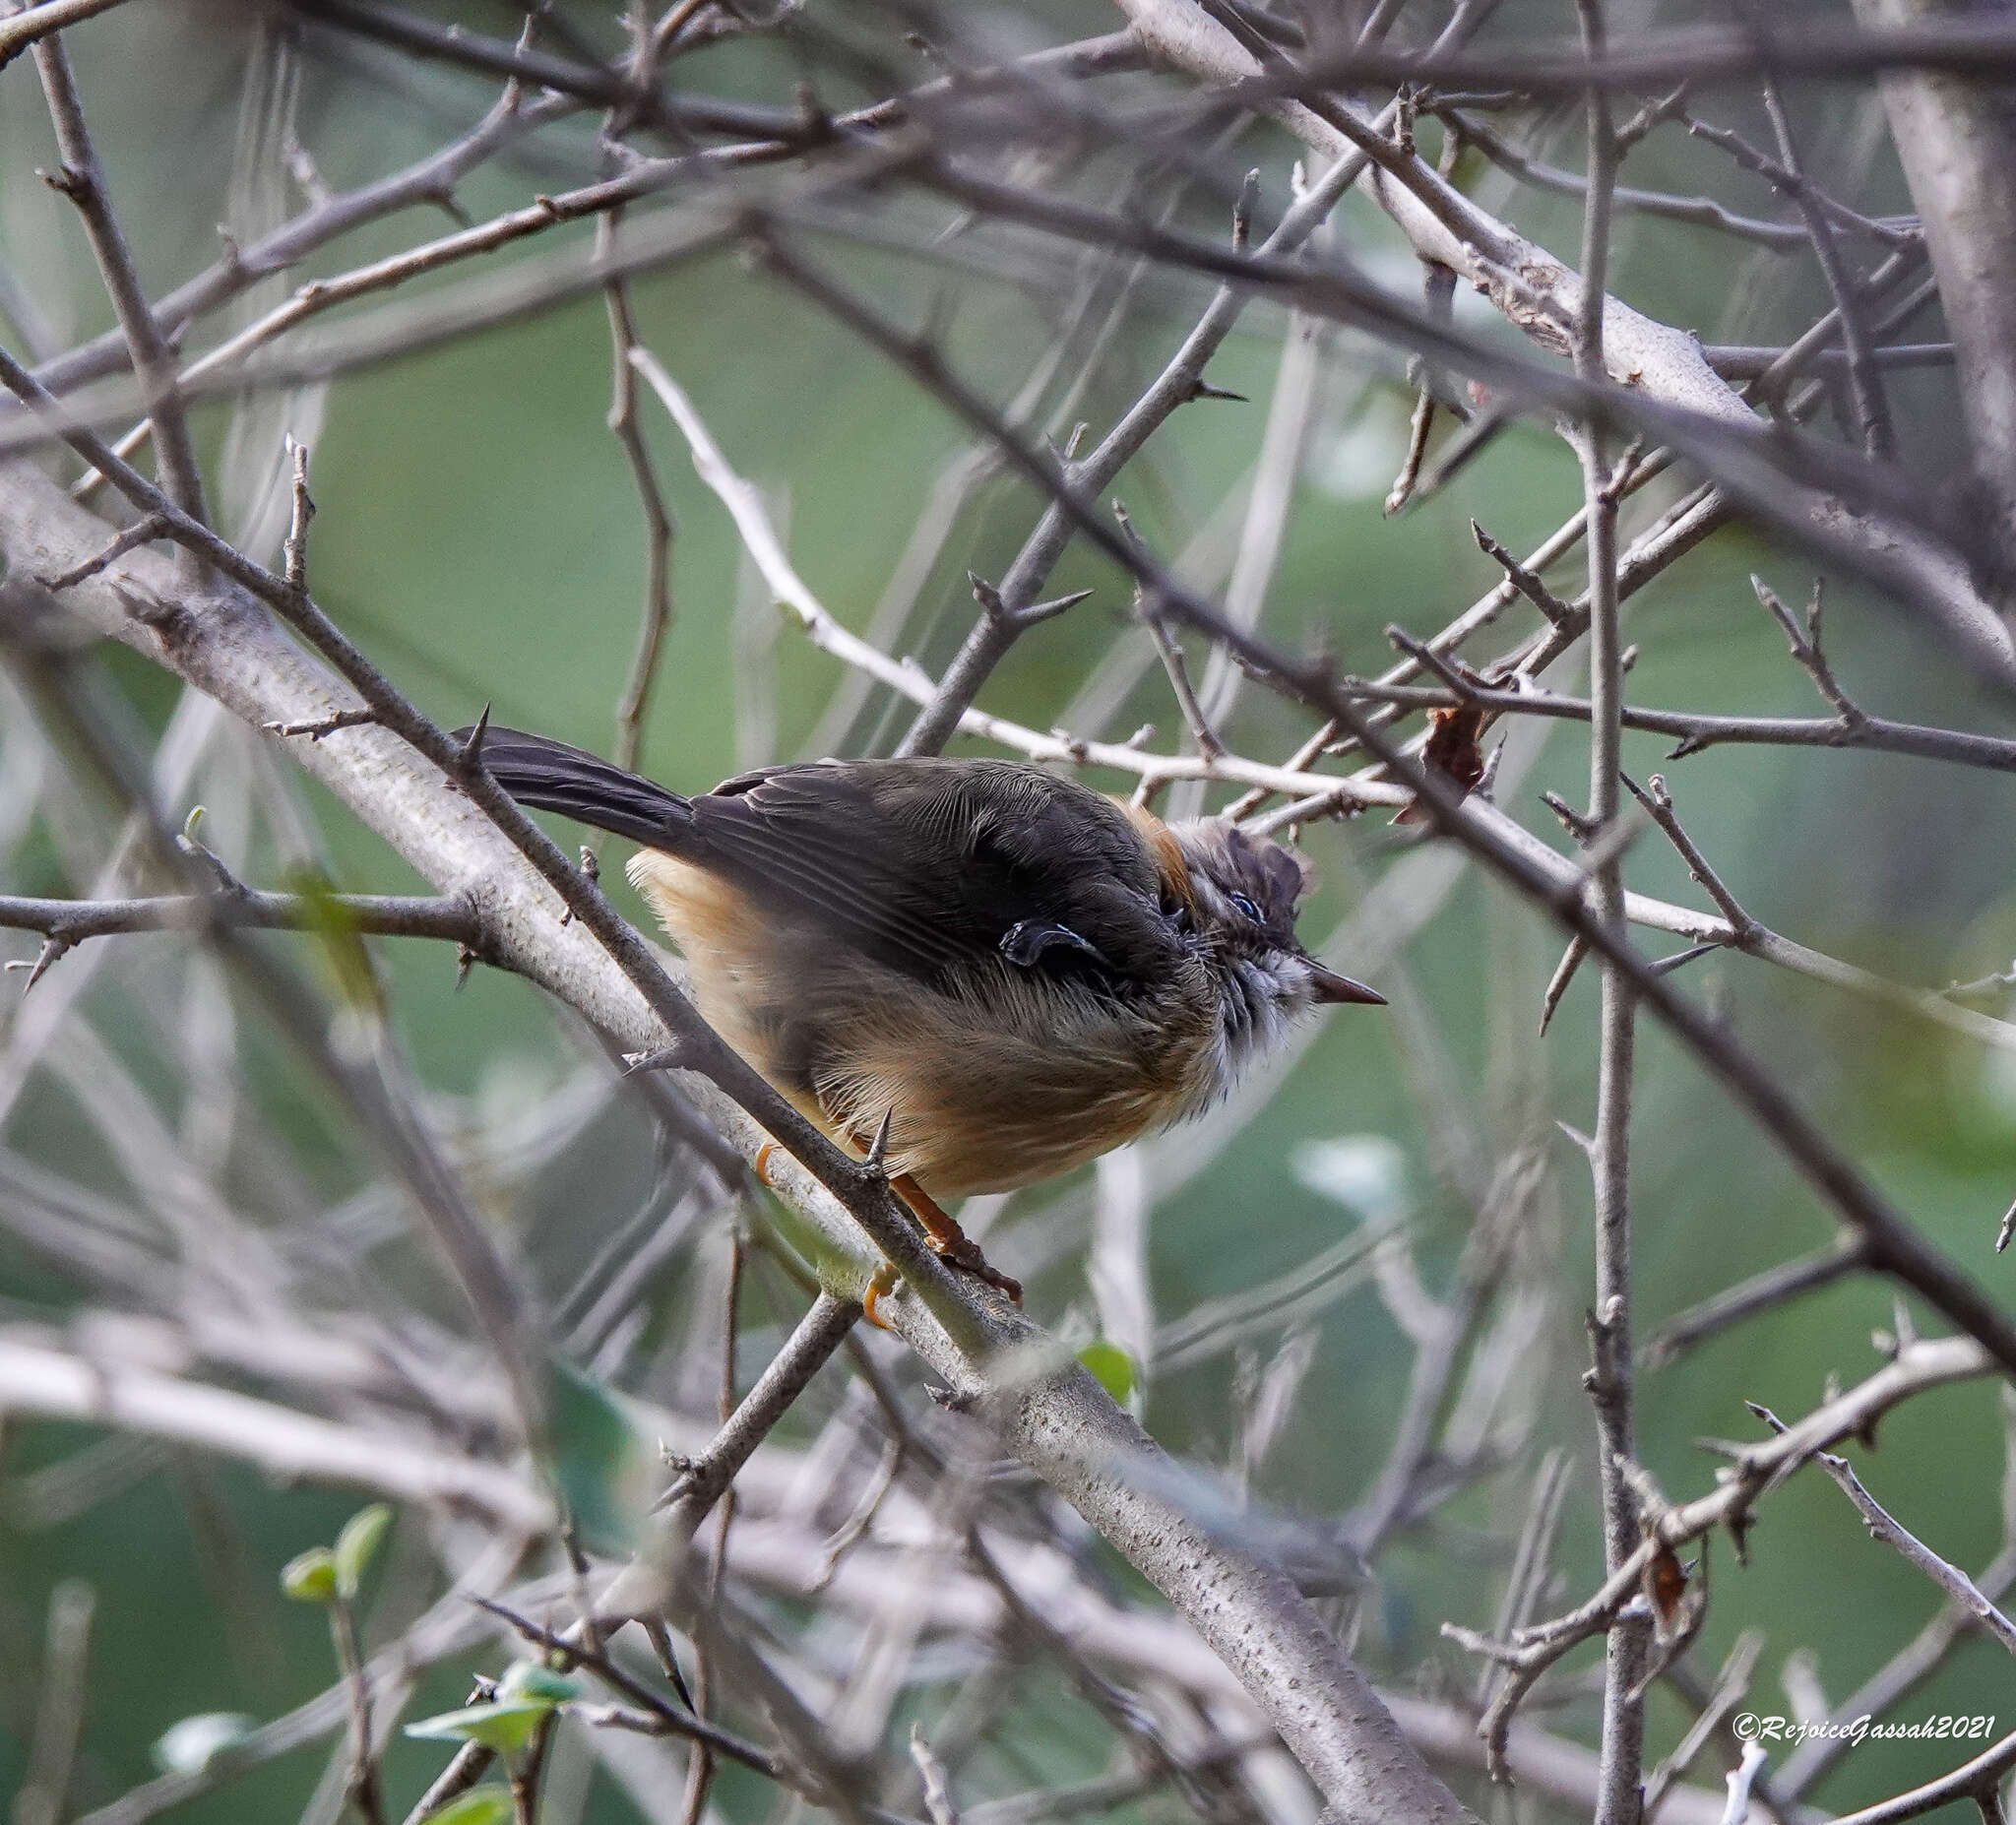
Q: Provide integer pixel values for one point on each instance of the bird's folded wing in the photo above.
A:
(928, 865)
(808, 842)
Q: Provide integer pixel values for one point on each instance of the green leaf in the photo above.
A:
(481, 1806)
(186, 1747)
(1111, 1368)
(535, 1680)
(606, 1471)
(342, 944)
(357, 1545)
(505, 1728)
(310, 1577)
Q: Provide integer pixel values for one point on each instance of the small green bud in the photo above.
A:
(357, 1545)
(310, 1577)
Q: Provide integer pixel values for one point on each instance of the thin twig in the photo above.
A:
(1696, 731)
(72, 922)
(316, 726)
(83, 180)
(1558, 984)
(1658, 805)
(1920, 1658)
(1865, 384)
(1731, 1684)
(657, 614)
(1173, 663)
(827, 633)
(1764, 1293)
(1794, 183)
(1741, 1778)
(822, 1329)
(59, 1708)
(143, 530)
(1526, 582)
(33, 23)
(528, 1770)
(1609, 1381)
(295, 552)
(1704, 212)
(937, 1789)
(1806, 648)
(363, 1789)
(1888, 1531)
(1978, 1781)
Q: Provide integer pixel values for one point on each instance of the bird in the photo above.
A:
(979, 972)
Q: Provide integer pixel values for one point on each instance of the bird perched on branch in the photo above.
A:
(1001, 972)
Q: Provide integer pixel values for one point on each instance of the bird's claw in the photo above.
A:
(881, 1283)
(964, 1253)
(948, 1240)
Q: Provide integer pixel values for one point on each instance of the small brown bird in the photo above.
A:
(1014, 973)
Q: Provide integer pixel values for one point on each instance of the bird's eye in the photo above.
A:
(1246, 907)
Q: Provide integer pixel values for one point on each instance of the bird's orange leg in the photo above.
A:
(945, 1236)
(949, 1240)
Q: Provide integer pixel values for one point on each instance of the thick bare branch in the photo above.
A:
(1956, 141)
(287, 1444)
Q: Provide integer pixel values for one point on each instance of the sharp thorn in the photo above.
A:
(52, 949)
(988, 597)
(1042, 611)
(473, 748)
(875, 1162)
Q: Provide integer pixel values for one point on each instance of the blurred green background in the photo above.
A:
(480, 536)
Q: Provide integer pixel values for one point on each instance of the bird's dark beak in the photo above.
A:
(1332, 987)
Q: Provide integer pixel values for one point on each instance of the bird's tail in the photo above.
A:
(550, 776)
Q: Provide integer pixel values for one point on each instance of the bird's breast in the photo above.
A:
(992, 1078)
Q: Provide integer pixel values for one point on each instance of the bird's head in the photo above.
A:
(1244, 893)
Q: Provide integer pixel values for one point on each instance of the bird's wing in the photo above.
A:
(928, 865)
(808, 842)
